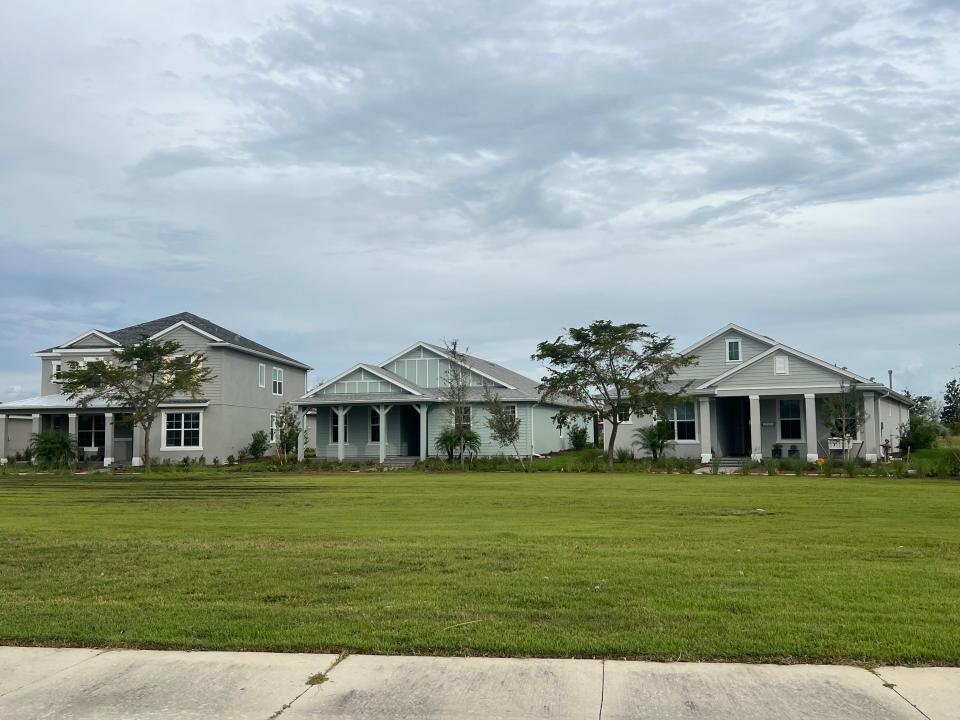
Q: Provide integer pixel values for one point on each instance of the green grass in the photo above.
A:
(551, 564)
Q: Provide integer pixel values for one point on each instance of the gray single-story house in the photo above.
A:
(749, 395)
(395, 410)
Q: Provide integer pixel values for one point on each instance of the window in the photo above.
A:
(374, 425)
(623, 416)
(733, 349)
(511, 410)
(781, 365)
(334, 428)
(262, 375)
(57, 368)
(91, 431)
(683, 419)
(277, 378)
(273, 427)
(790, 425)
(181, 430)
(462, 417)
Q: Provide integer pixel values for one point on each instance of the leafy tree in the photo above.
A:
(503, 424)
(259, 442)
(611, 369)
(139, 378)
(54, 449)
(950, 414)
(287, 429)
(578, 436)
(843, 413)
(455, 391)
(654, 438)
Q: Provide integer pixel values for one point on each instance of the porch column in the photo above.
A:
(706, 437)
(756, 446)
(72, 425)
(341, 412)
(137, 456)
(302, 435)
(422, 409)
(107, 439)
(871, 446)
(3, 439)
(383, 410)
(35, 429)
(810, 415)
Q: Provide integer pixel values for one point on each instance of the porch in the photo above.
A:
(102, 436)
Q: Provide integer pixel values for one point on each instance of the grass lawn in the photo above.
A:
(691, 567)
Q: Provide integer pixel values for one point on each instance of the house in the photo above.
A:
(250, 381)
(396, 409)
(750, 395)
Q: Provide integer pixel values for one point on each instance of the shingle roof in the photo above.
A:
(131, 334)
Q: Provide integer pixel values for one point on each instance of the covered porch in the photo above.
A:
(358, 430)
(102, 436)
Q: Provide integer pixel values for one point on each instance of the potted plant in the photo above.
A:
(777, 451)
(793, 451)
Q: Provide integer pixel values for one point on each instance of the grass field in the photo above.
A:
(692, 567)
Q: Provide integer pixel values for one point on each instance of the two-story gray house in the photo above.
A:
(396, 409)
(752, 396)
(250, 381)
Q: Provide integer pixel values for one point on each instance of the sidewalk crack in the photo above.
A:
(53, 674)
(603, 685)
(312, 681)
(891, 686)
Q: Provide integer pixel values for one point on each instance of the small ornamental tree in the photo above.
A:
(503, 423)
(455, 392)
(286, 430)
(612, 370)
(139, 378)
(950, 414)
(843, 414)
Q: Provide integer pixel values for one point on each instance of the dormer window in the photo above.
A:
(733, 350)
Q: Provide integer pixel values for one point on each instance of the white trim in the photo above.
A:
(346, 425)
(441, 353)
(696, 424)
(190, 404)
(276, 378)
(184, 323)
(789, 351)
(58, 352)
(801, 419)
(261, 375)
(87, 334)
(776, 364)
(163, 431)
(272, 429)
(257, 353)
(731, 327)
(378, 371)
(370, 439)
(728, 341)
(628, 421)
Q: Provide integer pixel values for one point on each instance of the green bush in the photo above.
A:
(258, 445)
(309, 453)
(53, 449)
(578, 437)
(772, 467)
(920, 434)
(624, 455)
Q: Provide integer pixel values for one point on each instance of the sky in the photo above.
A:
(339, 180)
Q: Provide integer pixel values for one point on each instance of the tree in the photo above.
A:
(950, 414)
(612, 370)
(503, 423)
(455, 392)
(286, 430)
(654, 437)
(843, 414)
(258, 444)
(139, 379)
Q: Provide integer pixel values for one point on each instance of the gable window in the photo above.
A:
(462, 417)
(733, 350)
(91, 431)
(273, 427)
(623, 416)
(277, 381)
(781, 365)
(262, 375)
(374, 425)
(683, 419)
(789, 422)
(335, 428)
(181, 430)
(57, 369)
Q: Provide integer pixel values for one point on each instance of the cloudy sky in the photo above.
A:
(338, 180)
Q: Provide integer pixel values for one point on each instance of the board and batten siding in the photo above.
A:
(362, 381)
(429, 370)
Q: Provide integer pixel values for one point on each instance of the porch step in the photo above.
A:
(731, 462)
(401, 461)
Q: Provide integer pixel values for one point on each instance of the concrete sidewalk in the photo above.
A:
(113, 684)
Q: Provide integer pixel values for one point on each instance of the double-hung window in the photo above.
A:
(91, 431)
(462, 417)
(335, 421)
(182, 430)
(273, 427)
(511, 410)
(683, 419)
(374, 425)
(790, 425)
(733, 349)
(262, 375)
(623, 416)
(277, 381)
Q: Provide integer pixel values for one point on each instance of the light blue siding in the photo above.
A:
(427, 369)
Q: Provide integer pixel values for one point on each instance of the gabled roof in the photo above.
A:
(779, 348)
(730, 327)
(99, 333)
(217, 334)
(380, 372)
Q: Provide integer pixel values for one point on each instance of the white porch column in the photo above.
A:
(137, 458)
(35, 428)
(810, 415)
(706, 436)
(302, 435)
(422, 409)
(383, 410)
(871, 446)
(107, 439)
(341, 412)
(3, 439)
(72, 425)
(756, 446)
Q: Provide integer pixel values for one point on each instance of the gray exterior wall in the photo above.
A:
(18, 434)
(761, 376)
(626, 438)
(712, 357)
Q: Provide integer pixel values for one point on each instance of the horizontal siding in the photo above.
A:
(761, 374)
(712, 357)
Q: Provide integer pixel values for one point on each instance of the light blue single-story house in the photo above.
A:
(394, 411)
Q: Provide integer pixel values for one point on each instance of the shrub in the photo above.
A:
(748, 466)
(309, 453)
(258, 444)
(772, 467)
(578, 437)
(185, 461)
(920, 434)
(715, 466)
(900, 469)
(448, 441)
(53, 449)
(216, 462)
(827, 468)
(202, 460)
(851, 468)
(654, 438)
(231, 460)
(624, 455)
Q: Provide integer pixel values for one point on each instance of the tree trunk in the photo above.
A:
(146, 446)
(613, 439)
(519, 457)
(463, 445)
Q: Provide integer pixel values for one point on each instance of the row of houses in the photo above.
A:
(749, 395)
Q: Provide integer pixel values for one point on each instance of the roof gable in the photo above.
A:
(91, 338)
(365, 379)
(752, 370)
(730, 328)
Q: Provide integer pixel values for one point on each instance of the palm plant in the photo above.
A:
(654, 438)
(54, 449)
